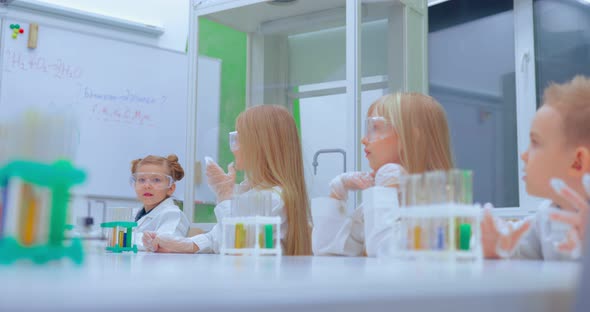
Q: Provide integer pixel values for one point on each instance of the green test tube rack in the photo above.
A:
(58, 177)
(120, 236)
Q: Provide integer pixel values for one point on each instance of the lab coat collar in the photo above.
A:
(162, 207)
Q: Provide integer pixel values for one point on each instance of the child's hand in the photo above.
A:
(389, 175)
(500, 238)
(348, 181)
(167, 243)
(576, 215)
(148, 240)
(221, 183)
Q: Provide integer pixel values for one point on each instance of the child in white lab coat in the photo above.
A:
(267, 148)
(153, 179)
(405, 133)
(558, 155)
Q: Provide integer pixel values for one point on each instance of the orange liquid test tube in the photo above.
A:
(417, 238)
(28, 216)
(114, 237)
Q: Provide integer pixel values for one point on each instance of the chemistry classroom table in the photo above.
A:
(189, 282)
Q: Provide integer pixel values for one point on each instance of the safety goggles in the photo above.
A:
(234, 145)
(377, 128)
(158, 181)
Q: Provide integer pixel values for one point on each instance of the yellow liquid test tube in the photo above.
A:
(28, 215)
(239, 236)
(31, 224)
(417, 237)
(121, 239)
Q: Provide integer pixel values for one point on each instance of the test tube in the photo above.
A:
(430, 199)
(438, 181)
(261, 238)
(440, 235)
(268, 236)
(268, 203)
(403, 191)
(428, 186)
(464, 236)
(251, 236)
(413, 182)
(417, 236)
(114, 236)
(411, 203)
(467, 187)
(466, 228)
(417, 229)
(121, 237)
(454, 186)
(239, 236)
(129, 240)
(439, 191)
(29, 213)
(422, 195)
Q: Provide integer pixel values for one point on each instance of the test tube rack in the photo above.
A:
(437, 218)
(438, 232)
(33, 210)
(119, 236)
(256, 235)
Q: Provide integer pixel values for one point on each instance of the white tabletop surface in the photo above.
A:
(175, 282)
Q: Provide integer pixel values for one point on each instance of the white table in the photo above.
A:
(176, 282)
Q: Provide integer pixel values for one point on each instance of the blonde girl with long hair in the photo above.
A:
(405, 133)
(267, 148)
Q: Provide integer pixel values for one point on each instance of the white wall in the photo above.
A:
(171, 14)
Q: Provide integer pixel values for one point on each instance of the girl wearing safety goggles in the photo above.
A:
(405, 133)
(153, 179)
(267, 148)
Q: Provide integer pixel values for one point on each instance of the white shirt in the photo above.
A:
(540, 241)
(210, 242)
(369, 227)
(164, 218)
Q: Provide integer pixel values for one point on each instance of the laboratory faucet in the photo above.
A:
(327, 151)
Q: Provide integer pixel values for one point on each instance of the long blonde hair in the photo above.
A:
(272, 155)
(421, 124)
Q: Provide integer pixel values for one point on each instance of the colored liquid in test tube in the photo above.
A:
(268, 236)
(114, 237)
(417, 235)
(239, 236)
(121, 237)
(440, 237)
(465, 230)
(465, 236)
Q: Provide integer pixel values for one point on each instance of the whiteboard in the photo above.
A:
(130, 99)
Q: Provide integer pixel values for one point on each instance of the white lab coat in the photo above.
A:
(538, 242)
(210, 242)
(166, 218)
(368, 228)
